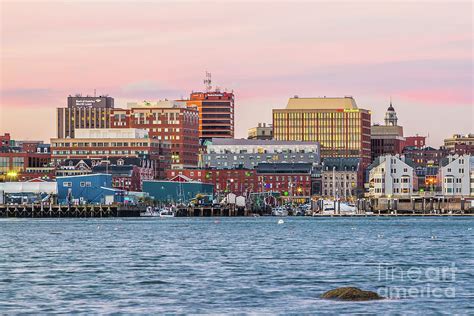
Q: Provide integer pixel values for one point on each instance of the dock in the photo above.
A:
(73, 211)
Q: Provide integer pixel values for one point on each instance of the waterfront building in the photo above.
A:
(113, 142)
(83, 112)
(216, 113)
(88, 189)
(170, 121)
(176, 190)
(416, 141)
(341, 128)
(224, 153)
(341, 177)
(387, 138)
(17, 164)
(291, 180)
(262, 131)
(30, 191)
(391, 176)
(127, 173)
(457, 175)
(237, 181)
(286, 179)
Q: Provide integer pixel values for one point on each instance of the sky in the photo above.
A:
(418, 53)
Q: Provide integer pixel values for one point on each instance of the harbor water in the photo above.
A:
(235, 265)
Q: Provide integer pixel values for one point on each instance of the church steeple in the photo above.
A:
(391, 116)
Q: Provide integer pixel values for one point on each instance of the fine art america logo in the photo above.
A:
(411, 282)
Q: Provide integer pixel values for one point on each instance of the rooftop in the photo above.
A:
(157, 104)
(284, 167)
(341, 163)
(259, 142)
(334, 103)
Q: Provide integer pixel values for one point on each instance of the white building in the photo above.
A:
(225, 153)
(458, 176)
(391, 176)
(111, 133)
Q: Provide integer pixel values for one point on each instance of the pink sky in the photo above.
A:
(418, 53)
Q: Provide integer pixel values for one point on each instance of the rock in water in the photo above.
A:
(351, 294)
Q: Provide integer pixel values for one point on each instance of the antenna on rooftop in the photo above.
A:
(208, 81)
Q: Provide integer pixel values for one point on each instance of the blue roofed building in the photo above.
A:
(88, 189)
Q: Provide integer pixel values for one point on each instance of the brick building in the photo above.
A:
(169, 121)
(426, 156)
(293, 179)
(106, 143)
(387, 139)
(238, 181)
(415, 141)
(216, 113)
(22, 166)
(5, 140)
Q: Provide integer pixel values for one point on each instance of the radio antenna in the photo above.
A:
(208, 81)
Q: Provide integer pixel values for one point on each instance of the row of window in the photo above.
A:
(94, 152)
(101, 144)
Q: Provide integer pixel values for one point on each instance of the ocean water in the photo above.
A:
(235, 265)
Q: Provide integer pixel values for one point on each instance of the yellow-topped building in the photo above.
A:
(338, 124)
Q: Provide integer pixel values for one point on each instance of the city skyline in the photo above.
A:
(370, 51)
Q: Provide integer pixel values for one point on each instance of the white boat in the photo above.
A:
(279, 211)
(167, 212)
(343, 208)
(150, 212)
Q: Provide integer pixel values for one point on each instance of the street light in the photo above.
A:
(12, 174)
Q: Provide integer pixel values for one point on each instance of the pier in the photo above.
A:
(58, 211)
(212, 211)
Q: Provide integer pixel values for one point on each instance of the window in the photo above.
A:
(67, 184)
(88, 184)
(82, 184)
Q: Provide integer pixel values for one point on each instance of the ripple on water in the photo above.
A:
(241, 265)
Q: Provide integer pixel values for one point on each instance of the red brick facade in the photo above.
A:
(216, 113)
(241, 181)
(5, 140)
(24, 166)
(415, 141)
(178, 126)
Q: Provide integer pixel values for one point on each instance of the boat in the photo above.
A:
(342, 208)
(167, 212)
(149, 212)
(279, 211)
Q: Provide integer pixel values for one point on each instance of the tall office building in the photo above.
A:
(342, 129)
(216, 113)
(83, 112)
